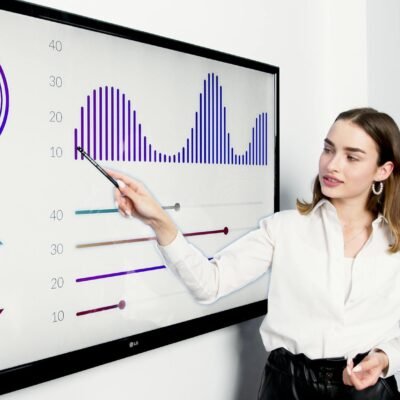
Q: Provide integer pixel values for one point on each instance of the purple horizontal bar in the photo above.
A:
(112, 275)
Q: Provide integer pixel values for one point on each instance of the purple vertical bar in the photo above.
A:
(82, 131)
(123, 127)
(76, 143)
(94, 125)
(144, 147)
(129, 131)
(106, 112)
(155, 155)
(201, 132)
(140, 142)
(150, 152)
(88, 124)
(174, 158)
(247, 158)
(233, 161)
(212, 120)
(228, 148)
(183, 154)
(134, 135)
(169, 159)
(179, 157)
(191, 147)
(118, 120)
(101, 122)
(159, 157)
(217, 144)
(205, 121)
(112, 123)
(188, 150)
(197, 139)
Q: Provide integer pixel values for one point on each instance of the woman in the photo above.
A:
(332, 327)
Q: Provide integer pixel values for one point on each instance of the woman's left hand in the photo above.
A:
(367, 372)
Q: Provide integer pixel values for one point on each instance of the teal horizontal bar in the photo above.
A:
(102, 211)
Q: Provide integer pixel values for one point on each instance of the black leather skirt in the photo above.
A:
(296, 377)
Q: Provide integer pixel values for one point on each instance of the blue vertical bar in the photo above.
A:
(260, 141)
(150, 152)
(208, 119)
(266, 139)
(106, 112)
(217, 144)
(257, 144)
(232, 159)
(220, 124)
(101, 122)
(129, 130)
(118, 118)
(252, 147)
(169, 159)
(188, 150)
(144, 148)
(140, 142)
(183, 154)
(159, 157)
(94, 125)
(249, 152)
(134, 135)
(192, 144)
(226, 144)
(205, 121)
(123, 127)
(212, 120)
(112, 123)
(201, 132)
(197, 139)
(88, 123)
(174, 158)
(179, 158)
(247, 158)
(82, 131)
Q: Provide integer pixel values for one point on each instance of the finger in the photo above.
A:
(136, 185)
(364, 380)
(367, 363)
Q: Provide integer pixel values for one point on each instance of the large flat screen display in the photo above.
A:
(79, 284)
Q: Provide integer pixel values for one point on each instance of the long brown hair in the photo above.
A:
(385, 133)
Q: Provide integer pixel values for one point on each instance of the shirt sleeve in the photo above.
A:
(240, 263)
(392, 350)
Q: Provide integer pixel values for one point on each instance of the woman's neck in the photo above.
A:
(352, 214)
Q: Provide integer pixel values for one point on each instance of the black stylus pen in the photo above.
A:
(108, 176)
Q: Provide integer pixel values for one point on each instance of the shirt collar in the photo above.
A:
(329, 206)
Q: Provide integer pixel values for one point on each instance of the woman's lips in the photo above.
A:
(330, 181)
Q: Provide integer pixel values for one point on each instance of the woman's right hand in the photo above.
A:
(133, 199)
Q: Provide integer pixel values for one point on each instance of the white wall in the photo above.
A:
(321, 49)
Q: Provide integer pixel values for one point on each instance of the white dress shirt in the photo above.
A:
(308, 310)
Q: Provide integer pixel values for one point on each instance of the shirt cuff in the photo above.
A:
(392, 355)
(174, 251)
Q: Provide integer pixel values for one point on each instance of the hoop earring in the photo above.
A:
(379, 191)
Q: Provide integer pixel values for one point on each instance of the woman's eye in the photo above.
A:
(327, 150)
(351, 158)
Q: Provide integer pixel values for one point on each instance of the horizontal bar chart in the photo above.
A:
(121, 305)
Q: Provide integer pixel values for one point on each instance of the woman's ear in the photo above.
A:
(384, 171)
